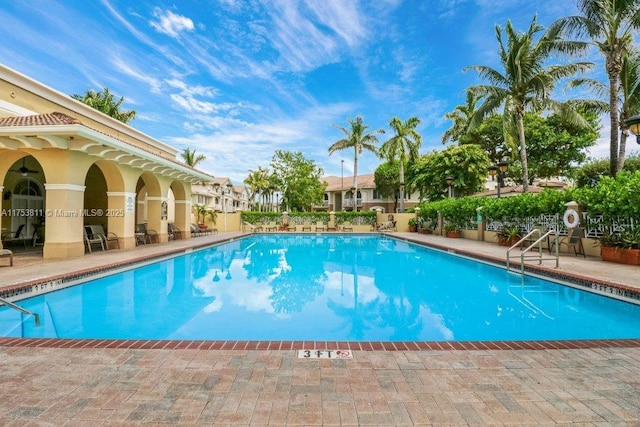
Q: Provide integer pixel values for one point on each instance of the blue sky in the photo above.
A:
(237, 80)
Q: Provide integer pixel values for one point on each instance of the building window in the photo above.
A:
(377, 195)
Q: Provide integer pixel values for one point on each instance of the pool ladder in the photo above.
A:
(536, 244)
(36, 317)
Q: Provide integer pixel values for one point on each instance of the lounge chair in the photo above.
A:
(91, 239)
(306, 226)
(110, 239)
(149, 235)
(572, 241)
(387, 226)
(195, 230)
(251, 227)
(174, 232)
(320, 226)
(15, 236)
(346, 226)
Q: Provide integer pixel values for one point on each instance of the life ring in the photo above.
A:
(571, 218)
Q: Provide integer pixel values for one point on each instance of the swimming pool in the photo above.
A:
(322, 287)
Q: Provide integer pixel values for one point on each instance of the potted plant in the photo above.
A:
(413, 225)
(622, 247)
(452, 230)
(508, 236)
(204, 212)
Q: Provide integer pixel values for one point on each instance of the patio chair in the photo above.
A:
(572, 241)
(271, 226)
(320, 226)
(108, 238)
(149, 235)
(15, 236)
(173, 231)
(346, 226)
(7, 253)
(306, 226)
(91, 239)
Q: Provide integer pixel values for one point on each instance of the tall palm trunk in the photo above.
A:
(523, 150)
(355, 179)
(401, 186)
(614, 160)
(622, 148)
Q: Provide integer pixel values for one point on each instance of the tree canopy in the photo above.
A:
(298, 180)
(105, 102)
(191, 158)
(527, 81)
(467, 164)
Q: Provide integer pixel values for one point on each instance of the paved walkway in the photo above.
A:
(82, 386)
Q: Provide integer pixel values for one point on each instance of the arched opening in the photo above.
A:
(23, 199)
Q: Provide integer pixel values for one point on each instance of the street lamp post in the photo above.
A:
(633, 123)
(500, 171)
(449, 181)
(342, 185)
(223, 192)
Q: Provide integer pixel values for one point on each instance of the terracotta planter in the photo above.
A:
(620, 256)
(413, 228)
(452, 234)
(508, 242)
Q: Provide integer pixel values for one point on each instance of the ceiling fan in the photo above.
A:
(23, 170)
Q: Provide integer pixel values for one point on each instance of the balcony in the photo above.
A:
(349, 202)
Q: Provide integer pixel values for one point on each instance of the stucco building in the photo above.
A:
(64, 165)
(339, 195)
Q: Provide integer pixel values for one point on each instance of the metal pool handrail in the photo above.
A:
(537, 243)
(36, 316)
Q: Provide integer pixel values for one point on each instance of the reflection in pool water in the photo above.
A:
(323, 287)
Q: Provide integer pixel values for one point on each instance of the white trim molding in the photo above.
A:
(62, 187)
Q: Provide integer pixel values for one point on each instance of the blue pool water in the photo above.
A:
(322, 287)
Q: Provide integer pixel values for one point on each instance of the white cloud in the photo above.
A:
(171, 24)
(128, 69)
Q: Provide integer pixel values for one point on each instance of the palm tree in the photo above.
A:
(357, 139)
(610, 25)
(525, 82)
(259, 183)
(462, 117)
(630, 93)
(403, 146)
(104, 101)
(191, 158)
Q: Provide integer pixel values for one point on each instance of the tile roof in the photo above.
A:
(58, 119)
(50, 119)
(334, 183)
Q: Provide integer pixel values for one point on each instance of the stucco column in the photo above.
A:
(183, 217)
(154, 219)
(122, 217)
(3, 231)
(64, 219)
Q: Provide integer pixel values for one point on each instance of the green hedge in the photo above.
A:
(612, 198)
(368, 217)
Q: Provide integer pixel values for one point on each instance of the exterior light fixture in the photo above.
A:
(500, 171)
(633, 123)
(449, 181)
